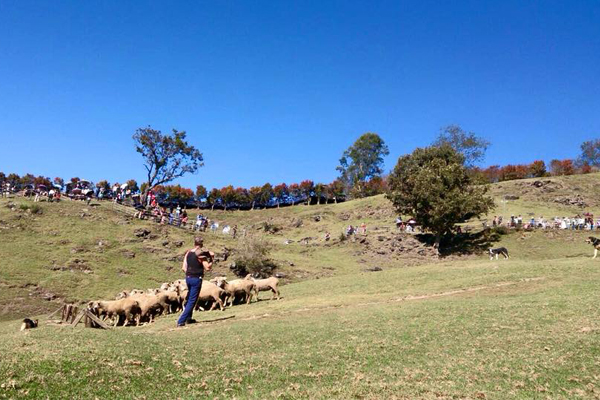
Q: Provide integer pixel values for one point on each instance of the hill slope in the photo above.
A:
(423, 328)
(76, 252)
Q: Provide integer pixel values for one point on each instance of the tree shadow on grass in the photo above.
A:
(466, 243)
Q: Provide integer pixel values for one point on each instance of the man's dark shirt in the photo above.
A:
(194, 268)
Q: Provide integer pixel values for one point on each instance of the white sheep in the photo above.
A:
(264, 285)
(241, 287)
(209, 292)
(128, 308)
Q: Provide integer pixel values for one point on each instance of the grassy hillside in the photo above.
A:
(515, 329)
(71, 251)
(457, 327)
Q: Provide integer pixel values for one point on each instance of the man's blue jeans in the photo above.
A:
(194, 285)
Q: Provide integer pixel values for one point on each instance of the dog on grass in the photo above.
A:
(594, 242)
(29, 324)
(495, 252)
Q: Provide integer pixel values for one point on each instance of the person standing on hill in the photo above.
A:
(195, 262)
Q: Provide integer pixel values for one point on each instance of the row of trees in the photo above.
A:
(536, 169)
(267, 195)
(169, 156)
(28, 179)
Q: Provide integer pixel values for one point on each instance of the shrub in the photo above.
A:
(500, 230)
(34, 209)
(253, 257)
(270, 228)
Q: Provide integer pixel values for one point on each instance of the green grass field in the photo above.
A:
(424, 328)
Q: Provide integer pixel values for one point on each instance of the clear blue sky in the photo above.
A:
(276, 90)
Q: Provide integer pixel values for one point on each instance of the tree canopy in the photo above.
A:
(362, 161)
(433, 186)
(166, 157)
(590, 153)
(471, 146)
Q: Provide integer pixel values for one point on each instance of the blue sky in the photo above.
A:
(276, 90)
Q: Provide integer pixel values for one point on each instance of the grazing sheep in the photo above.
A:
(241, 287)
(150, 305)
(122, 295)
(264, 285)
(128, 308)
(170, 298)
(136, 291)
(210, 293)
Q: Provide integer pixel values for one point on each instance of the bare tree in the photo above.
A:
(166, 157)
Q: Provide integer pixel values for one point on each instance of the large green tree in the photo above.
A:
(166, 157)
(433, 186)
(471, 146)
(362, 161)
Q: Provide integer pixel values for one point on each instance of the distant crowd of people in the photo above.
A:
(177, 216)
(409, 226)
(39, 193)
(578, 222)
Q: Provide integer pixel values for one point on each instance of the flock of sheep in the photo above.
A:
(138, 306)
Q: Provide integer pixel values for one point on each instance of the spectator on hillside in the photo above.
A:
(350, 230)
(363, 228)
(327, 236)
(184, 217)
(140, 210)
(234, 231)
(399, 222)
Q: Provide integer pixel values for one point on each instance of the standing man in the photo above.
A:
(195, 262)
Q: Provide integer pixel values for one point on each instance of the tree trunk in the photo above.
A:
(436, 245)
